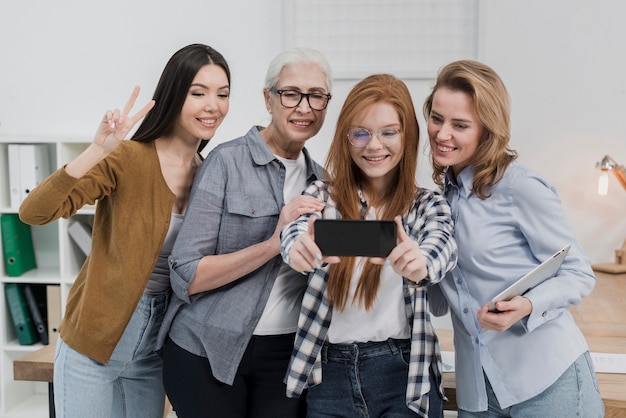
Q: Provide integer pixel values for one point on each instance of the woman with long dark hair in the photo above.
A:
(105, 364)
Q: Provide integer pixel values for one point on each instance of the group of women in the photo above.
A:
(205, 282)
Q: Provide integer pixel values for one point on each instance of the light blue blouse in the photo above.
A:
(499, 239)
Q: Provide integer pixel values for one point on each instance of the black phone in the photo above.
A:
(348, 237)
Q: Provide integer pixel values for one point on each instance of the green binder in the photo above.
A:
(17, 243)
(22, 320)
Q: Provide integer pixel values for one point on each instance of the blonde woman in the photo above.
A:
(527, 358)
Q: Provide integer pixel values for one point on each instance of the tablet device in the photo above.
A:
(356, 238)
(543, 271)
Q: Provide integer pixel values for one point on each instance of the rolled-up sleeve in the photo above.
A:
(199, 232)
(290, 233)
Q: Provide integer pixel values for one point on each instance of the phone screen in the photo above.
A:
(357, 238)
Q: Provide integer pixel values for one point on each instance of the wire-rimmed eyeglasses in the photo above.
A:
(360, 137)
(292, 98)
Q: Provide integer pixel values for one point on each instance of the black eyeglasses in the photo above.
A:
(360, 137)
(292, 98)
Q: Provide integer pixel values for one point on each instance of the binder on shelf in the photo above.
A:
(81, 235)
(15, 189)
(34, 165)
(53, 305)
(20, 315)
(17, 245)
(35, 313)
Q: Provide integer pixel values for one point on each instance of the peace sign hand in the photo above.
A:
(116, 125)
(113, 129)
(406, 258)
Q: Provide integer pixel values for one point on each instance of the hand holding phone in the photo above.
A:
(406, 258)
(354, 238)
(305, 254)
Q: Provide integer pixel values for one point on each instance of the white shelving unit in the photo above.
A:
(58, 262)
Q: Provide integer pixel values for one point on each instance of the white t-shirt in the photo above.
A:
(387, 317)
(283, 306)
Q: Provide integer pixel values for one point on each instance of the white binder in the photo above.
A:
(15, 188)
(34, 165)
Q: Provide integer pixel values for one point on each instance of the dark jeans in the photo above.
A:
(257, 392)
(366, 380)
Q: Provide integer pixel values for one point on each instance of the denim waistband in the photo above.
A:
(153, 301)
(368, 349)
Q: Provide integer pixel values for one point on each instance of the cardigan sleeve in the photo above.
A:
(61, 195)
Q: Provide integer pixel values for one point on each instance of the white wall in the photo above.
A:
(62, 64)
(563, 62)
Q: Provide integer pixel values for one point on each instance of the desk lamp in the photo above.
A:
(608, 164)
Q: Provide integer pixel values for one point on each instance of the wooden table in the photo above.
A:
(601, 317)
(38, 366)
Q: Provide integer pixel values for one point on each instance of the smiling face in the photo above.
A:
(454, 129)
(379, 159)
(292, 127)
(206, 105)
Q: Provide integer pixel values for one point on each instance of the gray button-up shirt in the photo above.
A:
(235, 203)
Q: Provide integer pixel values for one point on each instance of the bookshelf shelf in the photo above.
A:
(58, 261)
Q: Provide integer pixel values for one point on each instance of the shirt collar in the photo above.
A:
(464, 181)
(262, 155)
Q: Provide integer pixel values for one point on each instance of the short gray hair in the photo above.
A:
(297, 56)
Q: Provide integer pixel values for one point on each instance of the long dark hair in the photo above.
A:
(172, 89)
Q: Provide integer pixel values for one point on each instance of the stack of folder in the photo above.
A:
(20, 315)
(35, 311)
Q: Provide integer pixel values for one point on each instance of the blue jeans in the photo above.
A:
(575, 394)
(366, 380)
(130, 385)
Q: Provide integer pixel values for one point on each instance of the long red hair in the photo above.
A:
(346, 178)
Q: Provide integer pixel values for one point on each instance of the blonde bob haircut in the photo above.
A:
(491, 103)
(346, 178)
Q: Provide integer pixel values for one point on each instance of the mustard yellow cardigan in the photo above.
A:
(134, 206)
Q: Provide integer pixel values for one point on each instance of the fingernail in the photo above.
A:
(318, 256)
(387, 262)
(318, 266)
(112, 124)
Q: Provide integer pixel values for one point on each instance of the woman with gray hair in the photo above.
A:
(228, 333)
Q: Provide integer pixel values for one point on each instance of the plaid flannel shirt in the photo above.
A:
(429, 222)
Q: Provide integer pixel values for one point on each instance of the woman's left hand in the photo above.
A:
(507, 313)
(406, 258)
